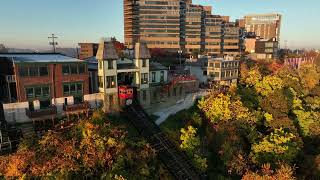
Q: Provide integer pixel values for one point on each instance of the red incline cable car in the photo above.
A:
(126, 95)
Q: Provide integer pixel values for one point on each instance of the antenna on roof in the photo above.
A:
(53, 43)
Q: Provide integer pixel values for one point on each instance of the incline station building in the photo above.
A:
(41, 86)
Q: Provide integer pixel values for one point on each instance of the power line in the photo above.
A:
(53, 43)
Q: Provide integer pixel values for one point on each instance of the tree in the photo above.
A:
(87, 150)
(190, 143)
(223, 108)
(268, 85)
(277, 104)
(253, 77)
(189, 140)
(284, 172)
(279, 146)
(309, 76)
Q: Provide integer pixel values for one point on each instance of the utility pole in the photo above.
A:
(53, 43)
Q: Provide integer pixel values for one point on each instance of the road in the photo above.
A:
(186, 103)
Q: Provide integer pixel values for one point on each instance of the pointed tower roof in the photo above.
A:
(106, 51)
(142, 51)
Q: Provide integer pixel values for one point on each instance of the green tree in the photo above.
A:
(279, 146)
(189, 139)
(222, 108)
(190, 143)
(268, 84)
(253, 77)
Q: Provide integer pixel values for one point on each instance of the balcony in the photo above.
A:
(77, 108)
(11, 78)
(42, 113)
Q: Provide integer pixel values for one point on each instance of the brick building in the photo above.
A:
(88, 50)
(45, 77)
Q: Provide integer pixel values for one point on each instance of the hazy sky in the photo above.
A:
(28, 23)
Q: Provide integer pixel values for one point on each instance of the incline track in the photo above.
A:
(176, 161)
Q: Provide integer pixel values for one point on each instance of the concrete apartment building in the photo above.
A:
(178, 25)
(223, 71)
(88, 50)
(266, 49)
(266, 26)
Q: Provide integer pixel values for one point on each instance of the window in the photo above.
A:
(217, 65)
(223, 74)
(23, 71)
(144, 63)
(80, 88)
(30, 93)
(100, 81)
(110, 82)
(228, 74)
(144, 78)
(74, 89)
(65, 69)
(38, 92)
(68, 69)
(110, 64)
(43, 71)
(153, 76)
(174, 91)
(180, 90)
(162, 76)
(216, 74)
(33, 71)
(73, 69)
(205, 73)
(66, 89)
(45, 91)
(82, 68)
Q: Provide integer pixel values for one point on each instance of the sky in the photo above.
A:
(28, 23)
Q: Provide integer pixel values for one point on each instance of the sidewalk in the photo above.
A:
(185, 103)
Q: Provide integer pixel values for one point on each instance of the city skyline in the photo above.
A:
(28, 24)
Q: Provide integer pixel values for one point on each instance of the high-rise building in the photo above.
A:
(156, 22)
(179, 25)
(266, 26)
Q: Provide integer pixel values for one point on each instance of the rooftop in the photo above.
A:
(157, 66)
(39, 58)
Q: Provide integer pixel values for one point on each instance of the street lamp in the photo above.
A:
(180, 53)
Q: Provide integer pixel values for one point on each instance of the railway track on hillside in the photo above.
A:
(177, 162)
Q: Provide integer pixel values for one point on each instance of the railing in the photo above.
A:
(11, 78)
(76, 107)
(52, 110)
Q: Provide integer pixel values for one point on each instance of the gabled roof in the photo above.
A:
(142, 51)
(106, 51)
